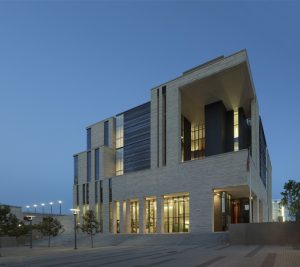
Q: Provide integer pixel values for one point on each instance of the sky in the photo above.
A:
(67, 64)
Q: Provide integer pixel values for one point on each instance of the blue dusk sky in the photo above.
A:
(65, 65)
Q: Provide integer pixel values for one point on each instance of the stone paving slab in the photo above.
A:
(169, 256)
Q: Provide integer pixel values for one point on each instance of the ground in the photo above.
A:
(155, 255)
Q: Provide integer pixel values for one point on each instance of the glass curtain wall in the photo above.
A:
(176, 214)
(117, 217)
(151, 215)
(197, 141)
(134, 216)
(236, 129)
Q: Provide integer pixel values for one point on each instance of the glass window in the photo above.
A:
(75, 169)
(83, 194)
(176, 214)
(120, 131)
(151, 215)
(97, 164)
(134, 216)
(89, 166)
(96, 192)
(236, 129)
(119, 161)
(197, 141)
(88, 138)
(118, 216)
(106, 133)
(87, 194)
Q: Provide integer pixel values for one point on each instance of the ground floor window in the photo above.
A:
(117, 217)
(176, 213)
(134, 216)
(151, 215)
(110, 217)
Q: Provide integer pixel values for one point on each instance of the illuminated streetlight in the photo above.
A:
(60, 202)
(29, 218)
(35, 205)
(75, 212)
(51, 203)
(43, 205)
(27, 208)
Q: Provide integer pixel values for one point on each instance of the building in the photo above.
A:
(187, 161)
(280, 213)
(16, 210)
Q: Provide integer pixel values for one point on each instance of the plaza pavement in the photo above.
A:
(168, 255)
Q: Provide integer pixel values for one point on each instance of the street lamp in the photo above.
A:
(35, 205)
(27, 208)
(75, 212)
(43, 205)
(60, 202)
(51, 203)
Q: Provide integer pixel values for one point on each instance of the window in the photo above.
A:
(110, 205)
(96, 192)
(197, 141)
(75, 169)
(97, 164)
(87, 194)
(236, 129)
(83, 194)
(134, 216)
(77, 195)
(88, 138)
(119, 161)
(176, 213)
(151, 215)
(106, 134)
(120, 131)
(117, 205)
(89, 166)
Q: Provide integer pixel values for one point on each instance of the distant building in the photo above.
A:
(16, 210)
(193, 159)
(280, 213)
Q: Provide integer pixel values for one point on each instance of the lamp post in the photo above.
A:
(43, 207)
(75, 212)
(27, 208)
(60, 202)
(51, 203)
(35, 205)
(29, 218)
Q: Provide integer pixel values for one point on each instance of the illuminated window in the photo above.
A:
(134, 216)
(117, 205)
(120, 131)
(176, 213)
(119, 161)
(197, 141)
(151, 215)
(236, 129)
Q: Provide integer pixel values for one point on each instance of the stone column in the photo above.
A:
(160, 215)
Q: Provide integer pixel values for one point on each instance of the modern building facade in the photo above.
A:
(192, 159)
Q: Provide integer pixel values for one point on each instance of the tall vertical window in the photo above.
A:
(119, 161)
(120, 131)
(117, 205)
(77, 195)
(151, 215)
(110, 205)
(119, 144)
(87, 194)
(197, 141)
(236, 129)
(106, 133)
(88, 138)
(134, 216)
(96, 192)
(176, 213)
(97, 164)
(89, 166)
(83, 194)
(75, 169)
(101, 206)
